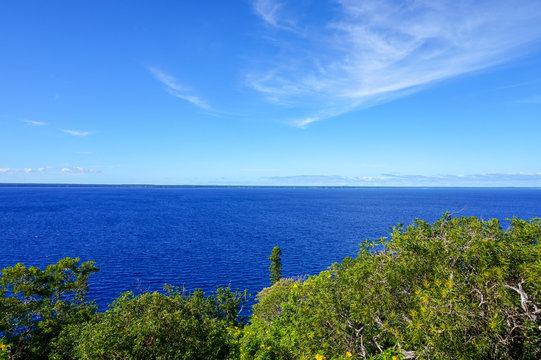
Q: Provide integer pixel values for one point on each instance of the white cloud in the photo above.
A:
(376, 50)
(168, 80)
(78, 170)
(193, 99)
(22, 170)
(35, 123)
(486, 179)
(76, 132)
(174, 88)
(271, 11)
(66, 170)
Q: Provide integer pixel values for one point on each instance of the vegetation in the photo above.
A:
(275, 268)
(174, 325)
(36, 305)
(456, 289)
(460, 288)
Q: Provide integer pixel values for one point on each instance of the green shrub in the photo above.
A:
(175, 325)
(456, 289)
(36, 305)
(460, 288)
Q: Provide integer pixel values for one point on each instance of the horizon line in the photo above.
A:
(257, 186)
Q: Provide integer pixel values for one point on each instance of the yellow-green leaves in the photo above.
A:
(433, 290)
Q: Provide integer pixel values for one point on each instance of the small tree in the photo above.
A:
(174, 325)
(35, 305)
(275, 268)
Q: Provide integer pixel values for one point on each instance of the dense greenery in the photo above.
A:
(175, 325)
(36, 305)
(456, 289)
(275, 267)
(460, 288)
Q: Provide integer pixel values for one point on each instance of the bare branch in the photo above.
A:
(524, 301)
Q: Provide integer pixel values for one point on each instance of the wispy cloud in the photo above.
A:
(484, 178)
(272, 12)
(35, 123)
(73, 170)
(193, 99)
(168, 80)
(174, 88)
(376, 50)
(76, 132)
(31, 170)
(78, 170)
(22, 170)
(487, 179)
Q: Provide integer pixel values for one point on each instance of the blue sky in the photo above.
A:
(269, 92)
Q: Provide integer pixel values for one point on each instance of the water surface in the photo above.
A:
(203, 237)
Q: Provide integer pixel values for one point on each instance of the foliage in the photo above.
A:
(175, 325)
(5, 350)
(275, 268)
(36, 305)
(269, 299)
(460, 288)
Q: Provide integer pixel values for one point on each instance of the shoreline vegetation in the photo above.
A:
(458, 288)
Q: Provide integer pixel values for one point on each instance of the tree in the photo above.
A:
(460, 288)
(275, 267)
(35, 305)
(174, 325)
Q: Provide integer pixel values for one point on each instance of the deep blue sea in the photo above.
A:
(144, 237)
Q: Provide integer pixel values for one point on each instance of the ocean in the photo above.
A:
(203, 237)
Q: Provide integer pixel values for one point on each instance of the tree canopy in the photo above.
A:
(459, 288)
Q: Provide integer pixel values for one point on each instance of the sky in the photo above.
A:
(271, 92)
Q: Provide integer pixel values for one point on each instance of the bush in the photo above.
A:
(175, 325)
(456, 289)
(460, 288)
(36, 305)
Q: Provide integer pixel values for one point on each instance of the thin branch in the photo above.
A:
(524, 301)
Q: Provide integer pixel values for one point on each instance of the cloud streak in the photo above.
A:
(44, 169)
(35, 123)
(271, 11)
(376, 50)
(76, 132)
(174, 88)
(78, 170)
(486, 179)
